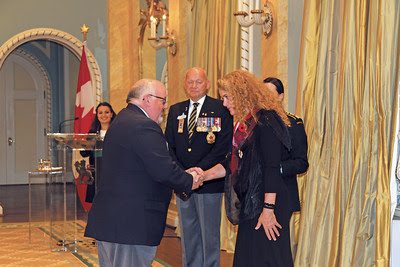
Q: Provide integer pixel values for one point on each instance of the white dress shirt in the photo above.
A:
(201, 102)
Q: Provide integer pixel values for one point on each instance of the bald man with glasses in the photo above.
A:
(129, 212)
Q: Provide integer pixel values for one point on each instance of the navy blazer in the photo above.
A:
(199, 153)
(138, 176)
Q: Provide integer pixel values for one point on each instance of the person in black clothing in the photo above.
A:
(104, 116)
(257, 198)
(296, 161)
(129, 211)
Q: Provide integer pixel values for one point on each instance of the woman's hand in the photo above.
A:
(268, 220)
(199, 173)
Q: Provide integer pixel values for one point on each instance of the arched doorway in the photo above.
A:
(22, 87)
(32, 105)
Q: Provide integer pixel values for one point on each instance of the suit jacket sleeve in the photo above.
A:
(224, 141)
(298, 161)
(151, 147)
(169, 135)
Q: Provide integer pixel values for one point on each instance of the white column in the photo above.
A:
(251, 37)
(245, 38)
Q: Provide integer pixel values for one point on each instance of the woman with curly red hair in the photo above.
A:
(256, 195)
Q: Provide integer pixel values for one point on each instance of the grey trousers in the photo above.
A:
(200, 220)
(121, 255)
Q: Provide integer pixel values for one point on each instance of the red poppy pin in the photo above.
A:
(242, 127)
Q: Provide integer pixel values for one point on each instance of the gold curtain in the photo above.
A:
(214, 39)
(215, 46)
(348, 78)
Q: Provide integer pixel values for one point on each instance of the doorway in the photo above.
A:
(24, 118)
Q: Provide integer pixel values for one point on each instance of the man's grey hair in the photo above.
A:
(141, 88)
(198, 69)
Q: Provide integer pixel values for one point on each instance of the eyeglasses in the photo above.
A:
(164, 99)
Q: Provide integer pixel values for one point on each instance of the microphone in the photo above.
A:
(64, 121)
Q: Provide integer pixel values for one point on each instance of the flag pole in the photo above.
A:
(84, 30)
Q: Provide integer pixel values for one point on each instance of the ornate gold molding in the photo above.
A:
(60, 37)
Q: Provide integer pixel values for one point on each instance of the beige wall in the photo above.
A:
(124, 54)
(275, 47)
(123, 16)
(123, 49)
(281, 50)
(180, 19)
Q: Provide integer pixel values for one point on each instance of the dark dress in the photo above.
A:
(95, 158)
(259, 164)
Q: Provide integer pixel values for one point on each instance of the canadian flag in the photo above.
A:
(84, 104)
(84, 111)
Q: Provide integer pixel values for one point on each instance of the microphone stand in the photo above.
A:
(60, 125)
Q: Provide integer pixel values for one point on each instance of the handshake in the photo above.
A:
(198, 176)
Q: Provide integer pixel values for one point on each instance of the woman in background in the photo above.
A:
(104, 116)
(256, 195)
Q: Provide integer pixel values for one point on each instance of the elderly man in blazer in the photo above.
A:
(128, 215)
(199, 133)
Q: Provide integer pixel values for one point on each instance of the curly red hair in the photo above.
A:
(250, 95)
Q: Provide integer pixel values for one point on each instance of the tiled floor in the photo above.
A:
(15, 200)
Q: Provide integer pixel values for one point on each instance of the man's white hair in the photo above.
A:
(141, 88)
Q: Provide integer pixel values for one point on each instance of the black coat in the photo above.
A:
(258, 171)
(138, 176)
(295, 161)
(200, 153)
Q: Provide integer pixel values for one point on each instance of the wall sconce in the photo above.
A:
(258, 16)
(158, 15)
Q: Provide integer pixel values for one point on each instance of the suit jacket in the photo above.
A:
(199, 153)
(296, 161)
(133, 198)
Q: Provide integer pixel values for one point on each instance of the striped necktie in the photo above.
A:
(192, 120)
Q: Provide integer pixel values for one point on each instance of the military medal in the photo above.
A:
(181, 122)
(217, 124)
(210, 137)
(201, 124)
(180, 125)
(208, 124)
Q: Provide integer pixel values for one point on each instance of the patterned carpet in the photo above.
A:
(17, 250)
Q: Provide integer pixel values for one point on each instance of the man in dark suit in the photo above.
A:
(199, 133)
(296, 160)
(128, 215)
